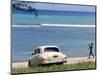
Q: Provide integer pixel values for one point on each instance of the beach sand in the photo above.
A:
(69, 61)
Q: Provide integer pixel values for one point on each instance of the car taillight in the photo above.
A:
(65, 57)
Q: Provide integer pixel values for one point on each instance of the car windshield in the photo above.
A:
(51, 49)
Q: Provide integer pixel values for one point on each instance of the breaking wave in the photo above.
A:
(67, 25)
(53, 25)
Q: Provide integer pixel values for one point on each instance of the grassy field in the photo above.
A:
(52, 68)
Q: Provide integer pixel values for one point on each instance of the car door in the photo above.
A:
(36, 59)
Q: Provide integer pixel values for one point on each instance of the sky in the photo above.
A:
(63, 7)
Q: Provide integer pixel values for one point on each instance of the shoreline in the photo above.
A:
(69, 61)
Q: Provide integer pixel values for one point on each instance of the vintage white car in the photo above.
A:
(47, 55)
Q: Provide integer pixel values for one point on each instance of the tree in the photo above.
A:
(32, 10)
(26, 9)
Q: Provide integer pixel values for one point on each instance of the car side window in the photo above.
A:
(37, 51)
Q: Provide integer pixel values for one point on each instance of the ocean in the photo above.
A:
(71, 31)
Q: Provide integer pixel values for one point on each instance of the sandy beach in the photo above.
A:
(70, 61)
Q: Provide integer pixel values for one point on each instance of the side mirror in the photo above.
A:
(32, 54)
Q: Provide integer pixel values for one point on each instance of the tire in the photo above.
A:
(29, 64)
(61, 63)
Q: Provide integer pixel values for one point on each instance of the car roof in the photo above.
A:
(47, 46)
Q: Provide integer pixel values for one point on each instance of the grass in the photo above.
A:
(52, 68)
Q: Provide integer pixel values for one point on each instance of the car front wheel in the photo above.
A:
(29, 64)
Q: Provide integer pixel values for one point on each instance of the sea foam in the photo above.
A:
(53, 25)
(67, 25)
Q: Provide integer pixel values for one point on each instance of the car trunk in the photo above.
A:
(54, 57)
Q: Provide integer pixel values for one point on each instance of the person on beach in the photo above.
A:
(91, 50)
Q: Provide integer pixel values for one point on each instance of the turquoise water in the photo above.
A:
(53, 19)
(73, 41)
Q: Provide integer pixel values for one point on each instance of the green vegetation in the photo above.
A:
(52, 68)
